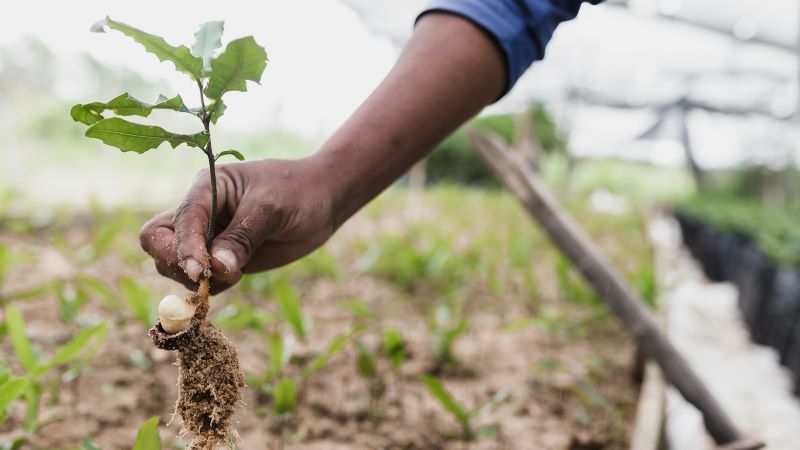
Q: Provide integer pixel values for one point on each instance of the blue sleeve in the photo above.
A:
(520, 28)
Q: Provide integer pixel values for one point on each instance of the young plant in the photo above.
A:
(446, 327)
(206, 399)
(466, 418)
(76, 352)
(289, 305)
(367, 368)
(394, 349)
(9, 259)
(147, 438)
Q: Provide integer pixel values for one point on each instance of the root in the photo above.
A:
(210, 383)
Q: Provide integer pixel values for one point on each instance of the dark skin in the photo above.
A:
(273, 212)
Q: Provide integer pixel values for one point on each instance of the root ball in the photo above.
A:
(210, 383)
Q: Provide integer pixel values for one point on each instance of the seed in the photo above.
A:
(175, 314)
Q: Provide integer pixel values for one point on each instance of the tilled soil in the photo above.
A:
(562, 393)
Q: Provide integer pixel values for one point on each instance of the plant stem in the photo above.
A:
(212, 220)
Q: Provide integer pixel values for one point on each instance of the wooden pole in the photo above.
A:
(623, 300)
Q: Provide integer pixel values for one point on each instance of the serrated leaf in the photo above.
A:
(234, 153)
(125, 105)
(181, 56)
(207, 40)
(88, 113)
(10, 390)
(242, 60)
(438, 391)
(147, 437)
(217, 110)
(19, 340)
(134, 137)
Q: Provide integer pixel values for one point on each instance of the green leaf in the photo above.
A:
(139, 299)
(207, 40)
(69, 351)
(10, 390)
(234, 153)
(88, 444)
(444, 397)
(125, 105)
(134, 137)
(285, 396)
(487, 408)
(181, 56)
(88, 113)
(99, 288)
(217, 110)
(242, 60)
(33, 395)
(19, 340)
(280, 352)
(69, 301)
(358, 308)
(289, 305)
(394, 347)
(365, 360)
(147, 437)
(336, 345)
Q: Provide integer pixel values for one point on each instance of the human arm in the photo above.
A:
(274, 212)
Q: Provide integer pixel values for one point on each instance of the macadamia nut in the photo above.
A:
(175, 314)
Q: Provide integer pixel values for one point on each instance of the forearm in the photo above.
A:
(447, 73)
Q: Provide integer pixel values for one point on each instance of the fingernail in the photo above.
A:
(227, 258)
(192, 268)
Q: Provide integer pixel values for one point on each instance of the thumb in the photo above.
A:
(190, 222)
(234, 247)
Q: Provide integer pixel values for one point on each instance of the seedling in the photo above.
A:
(289, 305)
(147, 437)
(81, 348)
(206, 398)
(367, 368)
(8, 259)
(394, 349)
(465, 418)
(446, 327)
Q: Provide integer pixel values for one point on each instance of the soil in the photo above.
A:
(573, 393)
(210, 384)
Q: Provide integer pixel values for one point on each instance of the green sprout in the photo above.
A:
(466, 418)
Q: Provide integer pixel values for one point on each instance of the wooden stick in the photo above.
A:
(623, 300)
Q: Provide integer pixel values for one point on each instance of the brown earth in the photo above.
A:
(563, 393)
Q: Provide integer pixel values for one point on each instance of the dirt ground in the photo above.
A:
(562, 393)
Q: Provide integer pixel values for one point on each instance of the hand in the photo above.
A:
(270, 213)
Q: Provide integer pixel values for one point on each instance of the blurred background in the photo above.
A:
(641, 111)
(671, 83)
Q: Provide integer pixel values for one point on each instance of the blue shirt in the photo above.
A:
(520, 28)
